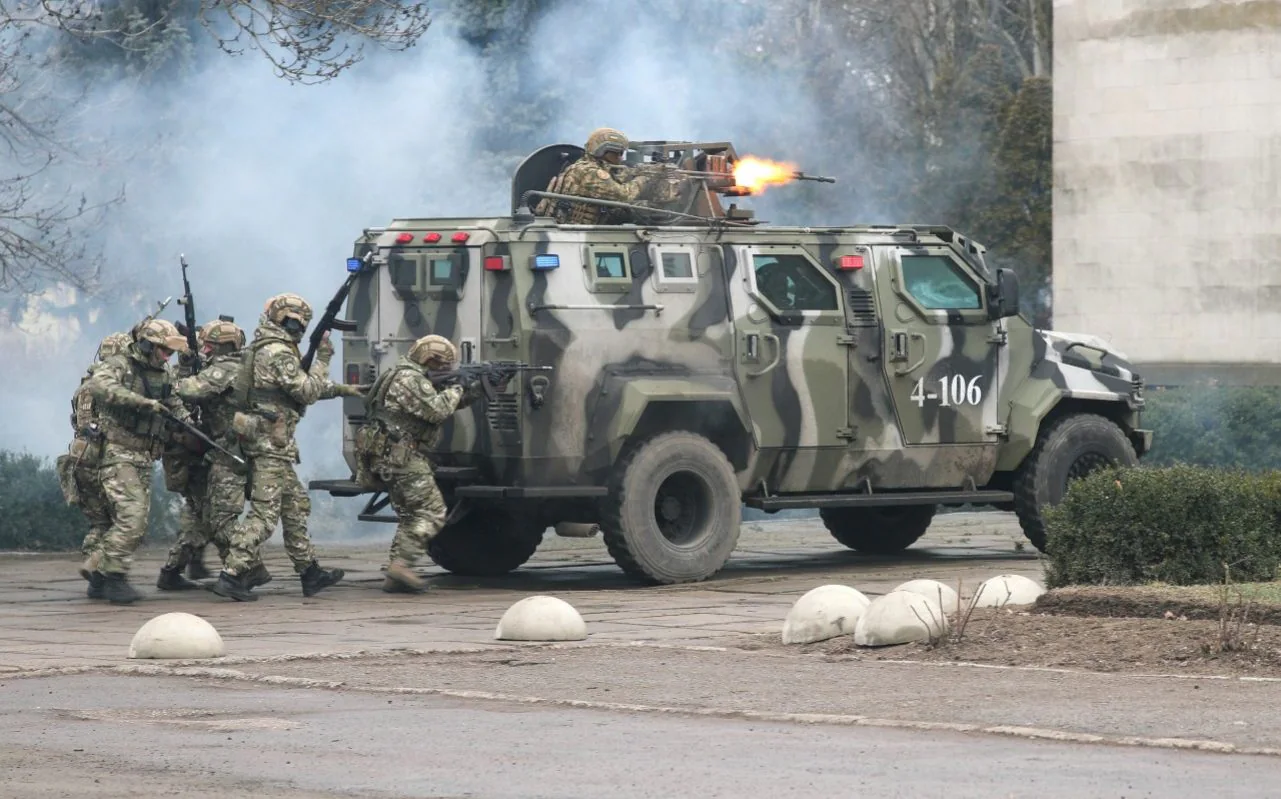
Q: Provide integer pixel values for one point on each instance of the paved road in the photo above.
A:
(355, 692)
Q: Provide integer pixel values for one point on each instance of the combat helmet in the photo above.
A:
(221, 332)
(287, 306)
(114, 344)
(433, 350)
(606, 140)
(160, 333)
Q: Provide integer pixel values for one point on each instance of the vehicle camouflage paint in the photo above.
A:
(872, 372)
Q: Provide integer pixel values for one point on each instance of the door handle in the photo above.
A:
(901, 349)
(778, 354)
(753, 346)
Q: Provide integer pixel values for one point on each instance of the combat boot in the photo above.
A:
(402, 580)
(172, 580)
(118, 591)
(316, 578)
(96, 583)
(257, 576)
(233, 587)
(196, 568)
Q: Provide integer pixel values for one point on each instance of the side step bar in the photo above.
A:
(801, 501)
(350, 488)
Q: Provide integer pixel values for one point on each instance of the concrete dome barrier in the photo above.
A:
(176, 636)
(1006, 589)
(899, 617)
(541, 618)
(824, 612)
(935, 591)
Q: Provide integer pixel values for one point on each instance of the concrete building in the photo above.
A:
(1167, 183)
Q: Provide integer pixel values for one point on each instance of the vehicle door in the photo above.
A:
(790, 360)
(942, 357)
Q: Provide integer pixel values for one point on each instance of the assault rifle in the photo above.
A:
(200, 434)
(188, 329)
(330, 321)
(491, 374)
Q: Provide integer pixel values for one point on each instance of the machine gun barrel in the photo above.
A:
(490, 374)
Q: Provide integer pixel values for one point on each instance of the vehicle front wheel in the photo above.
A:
(1070, 448)
(673, 511)
(486, 542)
(878, 530)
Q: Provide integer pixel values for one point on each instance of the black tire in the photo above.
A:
(486, 543)
(1071, 447)
(673, 511)
(878, 530)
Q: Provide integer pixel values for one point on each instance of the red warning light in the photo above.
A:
(404, 238)
(850, 262)
(431, 238)
(460, 236)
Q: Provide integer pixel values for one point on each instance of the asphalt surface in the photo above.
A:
(359, 693)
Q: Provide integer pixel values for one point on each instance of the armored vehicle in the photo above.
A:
(703, 361)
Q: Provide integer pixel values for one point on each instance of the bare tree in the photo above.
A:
(43, 224)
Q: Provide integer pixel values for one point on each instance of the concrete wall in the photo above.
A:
(1167, 183)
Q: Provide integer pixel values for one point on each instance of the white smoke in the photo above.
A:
(264, 185)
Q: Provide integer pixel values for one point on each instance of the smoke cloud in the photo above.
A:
(264, 185)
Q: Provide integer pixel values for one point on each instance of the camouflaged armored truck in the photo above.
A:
(702, 361)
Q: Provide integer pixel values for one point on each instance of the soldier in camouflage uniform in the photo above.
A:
(78, 469)
(271, 392)
(131, 392)
(405, 412)
(598, 174)
(207, 393)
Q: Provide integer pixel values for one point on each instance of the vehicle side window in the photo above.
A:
(937, 283)
(792, 283)
(677, 265)
(611, 264)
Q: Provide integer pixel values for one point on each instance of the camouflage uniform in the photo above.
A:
(130, 390)
(270, 393)
(78, 469)
(594, 176)
(405, 413)
(205, 392)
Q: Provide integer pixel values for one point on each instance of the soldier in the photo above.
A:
(405, 414)
(270, 393)
(598, 174)
(207, 391)
(78, 469)
(132, 391)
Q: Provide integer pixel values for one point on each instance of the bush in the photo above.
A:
(1178, 525)
(1206, 425)
(35, 517)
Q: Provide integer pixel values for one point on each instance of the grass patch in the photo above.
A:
(1155, 600)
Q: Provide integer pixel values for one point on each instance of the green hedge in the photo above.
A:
(1178, 525)
(35, 517)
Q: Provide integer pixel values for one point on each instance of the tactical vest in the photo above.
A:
(135, 428)
(409, 425)
(248, 395)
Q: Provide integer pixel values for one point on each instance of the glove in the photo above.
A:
(344, 390)
(155, 406)
(326, 347)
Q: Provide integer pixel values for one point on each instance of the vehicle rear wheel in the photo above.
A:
(878, 530)
(1070, 448)
(673, 511)
(486, 542)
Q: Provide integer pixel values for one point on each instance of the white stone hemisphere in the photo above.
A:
(177, 635)
(935, 591)
(899, 617)
(541, 618)
(822, 613)
(1006, 589)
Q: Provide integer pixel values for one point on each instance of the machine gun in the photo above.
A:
(329, 320)
(491, 374)
(188, 327)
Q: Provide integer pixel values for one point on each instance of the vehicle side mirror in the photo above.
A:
(1003, 298)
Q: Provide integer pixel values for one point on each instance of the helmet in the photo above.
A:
(283, 306)
(114, 344)
(604, 140)
(219, 332)
(162, 333)
(433, 349)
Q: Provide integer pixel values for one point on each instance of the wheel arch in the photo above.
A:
(1040, 404)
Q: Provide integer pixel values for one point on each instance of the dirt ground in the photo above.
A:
(1038, 639)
